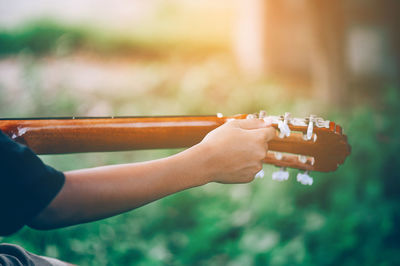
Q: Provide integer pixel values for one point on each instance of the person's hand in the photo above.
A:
(235, 150)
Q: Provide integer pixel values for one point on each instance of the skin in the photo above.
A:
(230, 154)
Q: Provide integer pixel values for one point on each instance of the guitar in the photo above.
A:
(310, 144)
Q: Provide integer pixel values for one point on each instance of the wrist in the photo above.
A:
(198, 161)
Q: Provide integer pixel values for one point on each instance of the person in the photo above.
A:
(37, 195)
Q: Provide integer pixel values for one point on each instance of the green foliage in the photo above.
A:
(41, 37)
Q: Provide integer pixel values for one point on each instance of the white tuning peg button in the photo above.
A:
(284, 129)
(287, 118)
(283, 126)
(305, 179)
(262, 114)
(302, 159)
(310, 127)
(278, 155)
(280, 175)
(287, 130)
(281, 129)
(260, 174)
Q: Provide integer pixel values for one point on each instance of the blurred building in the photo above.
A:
(331, 45)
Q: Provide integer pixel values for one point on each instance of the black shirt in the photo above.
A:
(27, 185)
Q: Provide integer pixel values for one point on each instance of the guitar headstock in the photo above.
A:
(310, 144)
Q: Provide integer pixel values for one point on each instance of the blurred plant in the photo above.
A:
(348, 217)
(39, 37)
(46, 36)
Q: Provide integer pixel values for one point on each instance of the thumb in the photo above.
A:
(253, 123)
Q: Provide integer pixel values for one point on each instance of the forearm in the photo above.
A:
(92, 194)
(232, 153)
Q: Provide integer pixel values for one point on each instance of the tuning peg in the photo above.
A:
(260, 174)
(283, 126)
(302, 158)
(305, 179)
(281, 129)
(278, 155)
(280, 175)
(262, 114)
(310, 127)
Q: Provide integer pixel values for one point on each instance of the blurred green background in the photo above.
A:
(338, 59)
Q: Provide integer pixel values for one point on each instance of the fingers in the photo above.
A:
(270, 133)
(253, 123)
(266, 134)
(260, 128)
(263, 135)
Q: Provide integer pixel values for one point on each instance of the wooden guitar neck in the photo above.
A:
(324, 151)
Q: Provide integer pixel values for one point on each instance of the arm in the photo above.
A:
(232, 153)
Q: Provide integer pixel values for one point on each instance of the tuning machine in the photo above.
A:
(281, 175)
(305, 179)
(310, 121)
(262, 114)
(260, 174)
(283, 126)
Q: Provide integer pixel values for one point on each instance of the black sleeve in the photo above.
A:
(27, 185)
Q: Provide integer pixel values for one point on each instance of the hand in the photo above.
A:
(235, 151)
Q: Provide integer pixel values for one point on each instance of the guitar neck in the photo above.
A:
(324, 151)
(73, 135)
